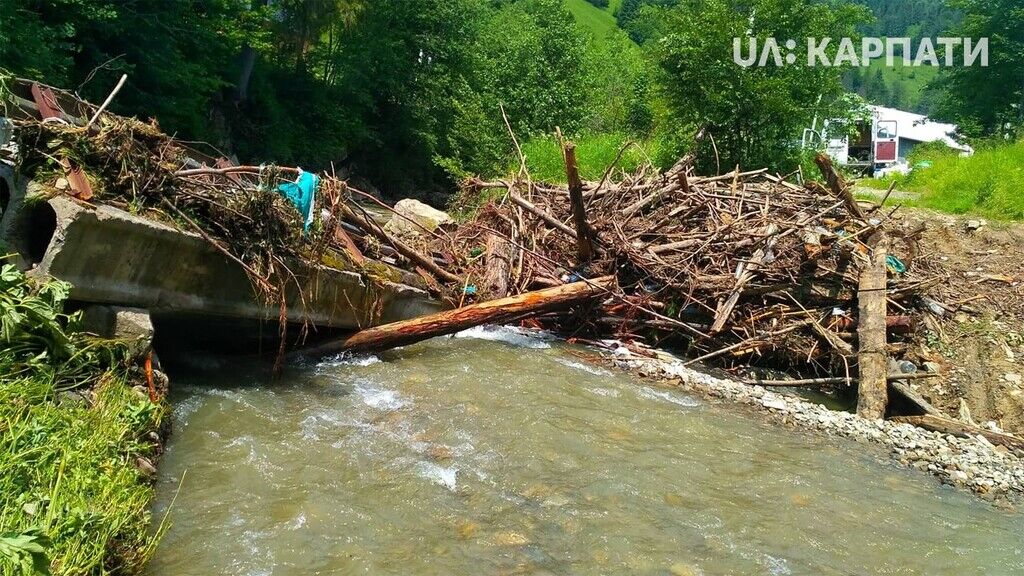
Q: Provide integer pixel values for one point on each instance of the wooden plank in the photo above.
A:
(902, 388)
(744, 276)
(872, 362)
(499, 266)
(451, 321)
(832, 380)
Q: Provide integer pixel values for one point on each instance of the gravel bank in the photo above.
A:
(974, 464)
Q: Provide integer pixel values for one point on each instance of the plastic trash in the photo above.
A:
(895, 265)
(302, 194)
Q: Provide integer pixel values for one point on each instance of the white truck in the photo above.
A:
(883, 144)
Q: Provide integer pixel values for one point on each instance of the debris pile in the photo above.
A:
(749, 268)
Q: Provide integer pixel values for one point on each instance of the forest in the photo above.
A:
(412, 96)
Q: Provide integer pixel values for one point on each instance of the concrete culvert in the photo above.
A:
(42, 224)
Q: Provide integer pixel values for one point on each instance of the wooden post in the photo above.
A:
(872, 394)
(452, 321)
(584, 237)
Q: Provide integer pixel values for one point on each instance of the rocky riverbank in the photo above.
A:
(974, 464)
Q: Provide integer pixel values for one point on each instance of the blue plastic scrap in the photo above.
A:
(302, 194)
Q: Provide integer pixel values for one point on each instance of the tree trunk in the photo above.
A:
(248, 62)
(451, 321)
(872, 362)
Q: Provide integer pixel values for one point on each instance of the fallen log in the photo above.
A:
(900, 387)
(452, 321)
(829, 381)
(499, 265)
(957, 428)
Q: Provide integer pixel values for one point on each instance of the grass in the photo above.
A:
(592, 18)
(71, 427)
(989, 183)
(594, 154)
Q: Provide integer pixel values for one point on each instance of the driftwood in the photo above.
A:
(831, 381)
(837, 185)
(872, 362)
(899, 387)
(450, 321)
(957, 428)
(404, 249)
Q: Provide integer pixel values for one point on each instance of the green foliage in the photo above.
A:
(987, 183)
(901, 87)
(38, 338)
(755, 114)
(71, 499)
(27, 551)
(987, 101)
(594, 154)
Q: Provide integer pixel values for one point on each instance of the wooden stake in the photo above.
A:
(584, 244)
(872, 394)
(451, 321)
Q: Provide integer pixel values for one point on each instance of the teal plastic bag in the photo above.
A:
(895, 264)
(302, 194)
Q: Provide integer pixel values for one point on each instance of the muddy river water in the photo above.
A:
(498, 453)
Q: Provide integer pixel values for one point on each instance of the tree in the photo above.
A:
(987, 101)
(755, 114)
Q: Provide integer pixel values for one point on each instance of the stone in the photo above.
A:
(1013, 378)
(132, 325)
(426, 216)
(974, 224)
(145, 466)
(510, 539)
(931, 367)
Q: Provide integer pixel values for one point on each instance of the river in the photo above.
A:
(499, 453)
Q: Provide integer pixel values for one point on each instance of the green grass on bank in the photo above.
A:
(598, 21)
(990, 183)
(71, 427)
(594, 154)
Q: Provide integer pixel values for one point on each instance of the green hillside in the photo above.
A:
(598, 21)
